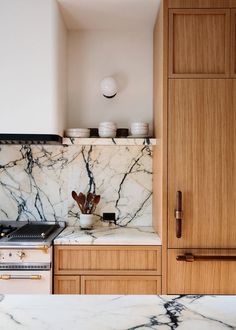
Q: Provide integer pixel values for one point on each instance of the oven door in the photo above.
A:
(26, 282)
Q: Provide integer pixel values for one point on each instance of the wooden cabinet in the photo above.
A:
(202, 276)
(111, 259)
(202, 162)
(66, 284)
(199, 43)
(202, 3)
(107, 269)
(233, 43)
(120, 284)
(198, 117)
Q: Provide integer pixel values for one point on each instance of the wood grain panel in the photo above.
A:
(121, 285)
(107, 259)
(201, 277)
(199, 43)
(233, 43)
(202, 162)
(66, 284)
(202, 3)
(160, 92)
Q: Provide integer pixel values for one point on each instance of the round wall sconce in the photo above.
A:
(109, 87)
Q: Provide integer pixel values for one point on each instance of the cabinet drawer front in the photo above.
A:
(205, 272)
(91, 260)
(199, 42)
(66, 284)
(121, 284)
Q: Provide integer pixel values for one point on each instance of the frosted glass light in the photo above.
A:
(109, 87)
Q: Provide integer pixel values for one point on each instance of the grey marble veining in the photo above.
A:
(108, 236)
(117, 312)
(36, 182)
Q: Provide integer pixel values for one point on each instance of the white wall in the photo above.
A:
(127, 56)
(30, 96)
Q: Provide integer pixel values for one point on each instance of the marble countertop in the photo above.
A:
(108, 236)
(117, 312)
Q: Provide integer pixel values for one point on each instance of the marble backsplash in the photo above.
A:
(36, 182)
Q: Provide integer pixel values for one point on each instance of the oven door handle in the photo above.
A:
(20, 277)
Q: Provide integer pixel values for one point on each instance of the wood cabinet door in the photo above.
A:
(114, 260)
(66, 284)
(202, 162)
(201, 276)
(121, 284)
(233, 43)
(199, 43)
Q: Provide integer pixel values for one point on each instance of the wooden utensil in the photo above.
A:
(75, 197)
(96, 200)
(81, 199)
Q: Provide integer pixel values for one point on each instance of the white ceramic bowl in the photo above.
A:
(108, 124)
(77, 132)
(139, 131)
(78, 135)
(107, 134)
(139, 124)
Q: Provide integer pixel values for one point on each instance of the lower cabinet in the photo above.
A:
(201, 271)
(107, 284)
(107, 270)
(120, 284)
(67, 285)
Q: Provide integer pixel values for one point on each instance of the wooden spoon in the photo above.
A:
(96, 200)
(75, 197)
(89, 202)
(81, 199)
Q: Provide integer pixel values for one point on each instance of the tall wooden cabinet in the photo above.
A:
(199, 41)
(202, 162)
(233, 43)
(199, 146)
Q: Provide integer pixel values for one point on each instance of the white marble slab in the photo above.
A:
(108, 236)
(111, 141)
(117, 312)
(36, 182)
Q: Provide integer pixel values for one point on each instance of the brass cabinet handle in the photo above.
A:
(178, 214)
(20, 277)
(189, 257)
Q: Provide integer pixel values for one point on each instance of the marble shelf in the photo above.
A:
(111, 141)
(63, 312)
(108, 236)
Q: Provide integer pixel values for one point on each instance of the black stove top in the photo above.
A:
(19, 233)
(5, 230)
(33, 231)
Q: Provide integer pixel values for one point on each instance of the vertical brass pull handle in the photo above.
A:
(178, 214)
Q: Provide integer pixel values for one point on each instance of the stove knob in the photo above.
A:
(21, 254)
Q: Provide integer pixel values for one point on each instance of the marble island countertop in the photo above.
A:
(117, 312)
(108, 236)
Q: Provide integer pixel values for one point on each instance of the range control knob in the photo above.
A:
(21, 254)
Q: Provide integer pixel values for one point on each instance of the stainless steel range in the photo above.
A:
(26, 256)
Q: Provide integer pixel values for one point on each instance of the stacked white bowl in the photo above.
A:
(139, 129)
(107, 129)
(77, 132)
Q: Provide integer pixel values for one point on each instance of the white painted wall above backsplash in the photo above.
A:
(125, 55)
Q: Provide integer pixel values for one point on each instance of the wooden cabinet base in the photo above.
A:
(201, 275)
(107, 284)
(66, 284)
(120, 284)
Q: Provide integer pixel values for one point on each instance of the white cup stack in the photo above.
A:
(139, 129)
(77, 132)
(107, 129)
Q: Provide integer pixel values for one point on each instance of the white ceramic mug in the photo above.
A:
(86, 221)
